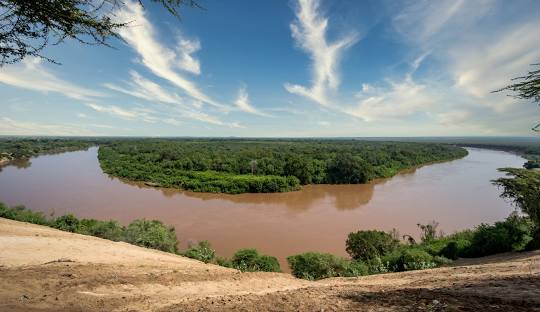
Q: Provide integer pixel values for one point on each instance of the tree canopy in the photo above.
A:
(27, 27)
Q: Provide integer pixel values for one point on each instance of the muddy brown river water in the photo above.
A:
(458, 194)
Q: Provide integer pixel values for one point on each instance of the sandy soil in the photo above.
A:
(42, 269)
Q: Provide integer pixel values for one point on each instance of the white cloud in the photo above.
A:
(142, 114)
(309, 31)
(146, 89)
(9, 126)
(482, 44)
(400, 99)
(491, 65)
(453, 118)
(141, 36)
(32, 75)
(242, 102)
(187, 62)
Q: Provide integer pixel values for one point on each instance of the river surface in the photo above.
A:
(458, 194)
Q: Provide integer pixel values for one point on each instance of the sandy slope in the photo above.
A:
(42, 269)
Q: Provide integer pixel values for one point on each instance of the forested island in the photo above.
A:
(263, 165)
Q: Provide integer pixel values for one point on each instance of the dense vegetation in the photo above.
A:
(152, 234)
(375, 252)
(528, 147)
(24, 148)
(371, 252)
(240, 166)
(146, 233)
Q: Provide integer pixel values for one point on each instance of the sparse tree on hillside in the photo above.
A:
(28, 26)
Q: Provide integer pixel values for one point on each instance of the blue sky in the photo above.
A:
(287, 68)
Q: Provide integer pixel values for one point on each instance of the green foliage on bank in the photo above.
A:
(255, 166)
(146, 233)
(24, 148)
(374, 252)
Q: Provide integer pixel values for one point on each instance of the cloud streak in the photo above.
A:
(309, 31)
(30, 74)
(159, 59)
(10, 126)
(242, 103)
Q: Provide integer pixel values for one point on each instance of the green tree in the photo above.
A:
(28, 26)
(346, 168)
(152, 234)
(367, 245)
(522, 186)
(299, 167)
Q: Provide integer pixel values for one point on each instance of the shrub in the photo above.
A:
(440, 260)
(355, 268)
(415, 259)
(224, 262)
(429, 231)
(20, 213)
(390, 262)
(67, 223)
(202, 252)
(451, 250)
(513, 234)
(105, 229)
(249, 260)
(152, 234)
(366, 245)
(314, 266)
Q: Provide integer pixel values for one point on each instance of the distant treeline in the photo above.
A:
(24, 148)
(242, 165)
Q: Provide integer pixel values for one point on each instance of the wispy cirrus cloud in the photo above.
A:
(242, 103)
(399, 99)
(145, 89)
(185, 50)
(481, 51)
(10, 126)
(30, 74)
(309, 31)
(158, 58)
(138, 113)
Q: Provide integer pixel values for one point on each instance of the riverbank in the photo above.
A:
(49, 270)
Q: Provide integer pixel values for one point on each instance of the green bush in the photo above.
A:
(152, 234)
(224, 262)
(314, 266)
(451, 250)
(20, 213)
(67, 223)
(415, 259)
(440, 260)
(249, 260)
(513, 234)
(202, 252)
(366, 245)
(355, 268)
(111, 230)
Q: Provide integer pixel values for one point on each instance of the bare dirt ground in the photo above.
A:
(42, 269)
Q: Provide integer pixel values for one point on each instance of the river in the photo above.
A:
(458, 194)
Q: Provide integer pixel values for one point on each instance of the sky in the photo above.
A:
(295, 68)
